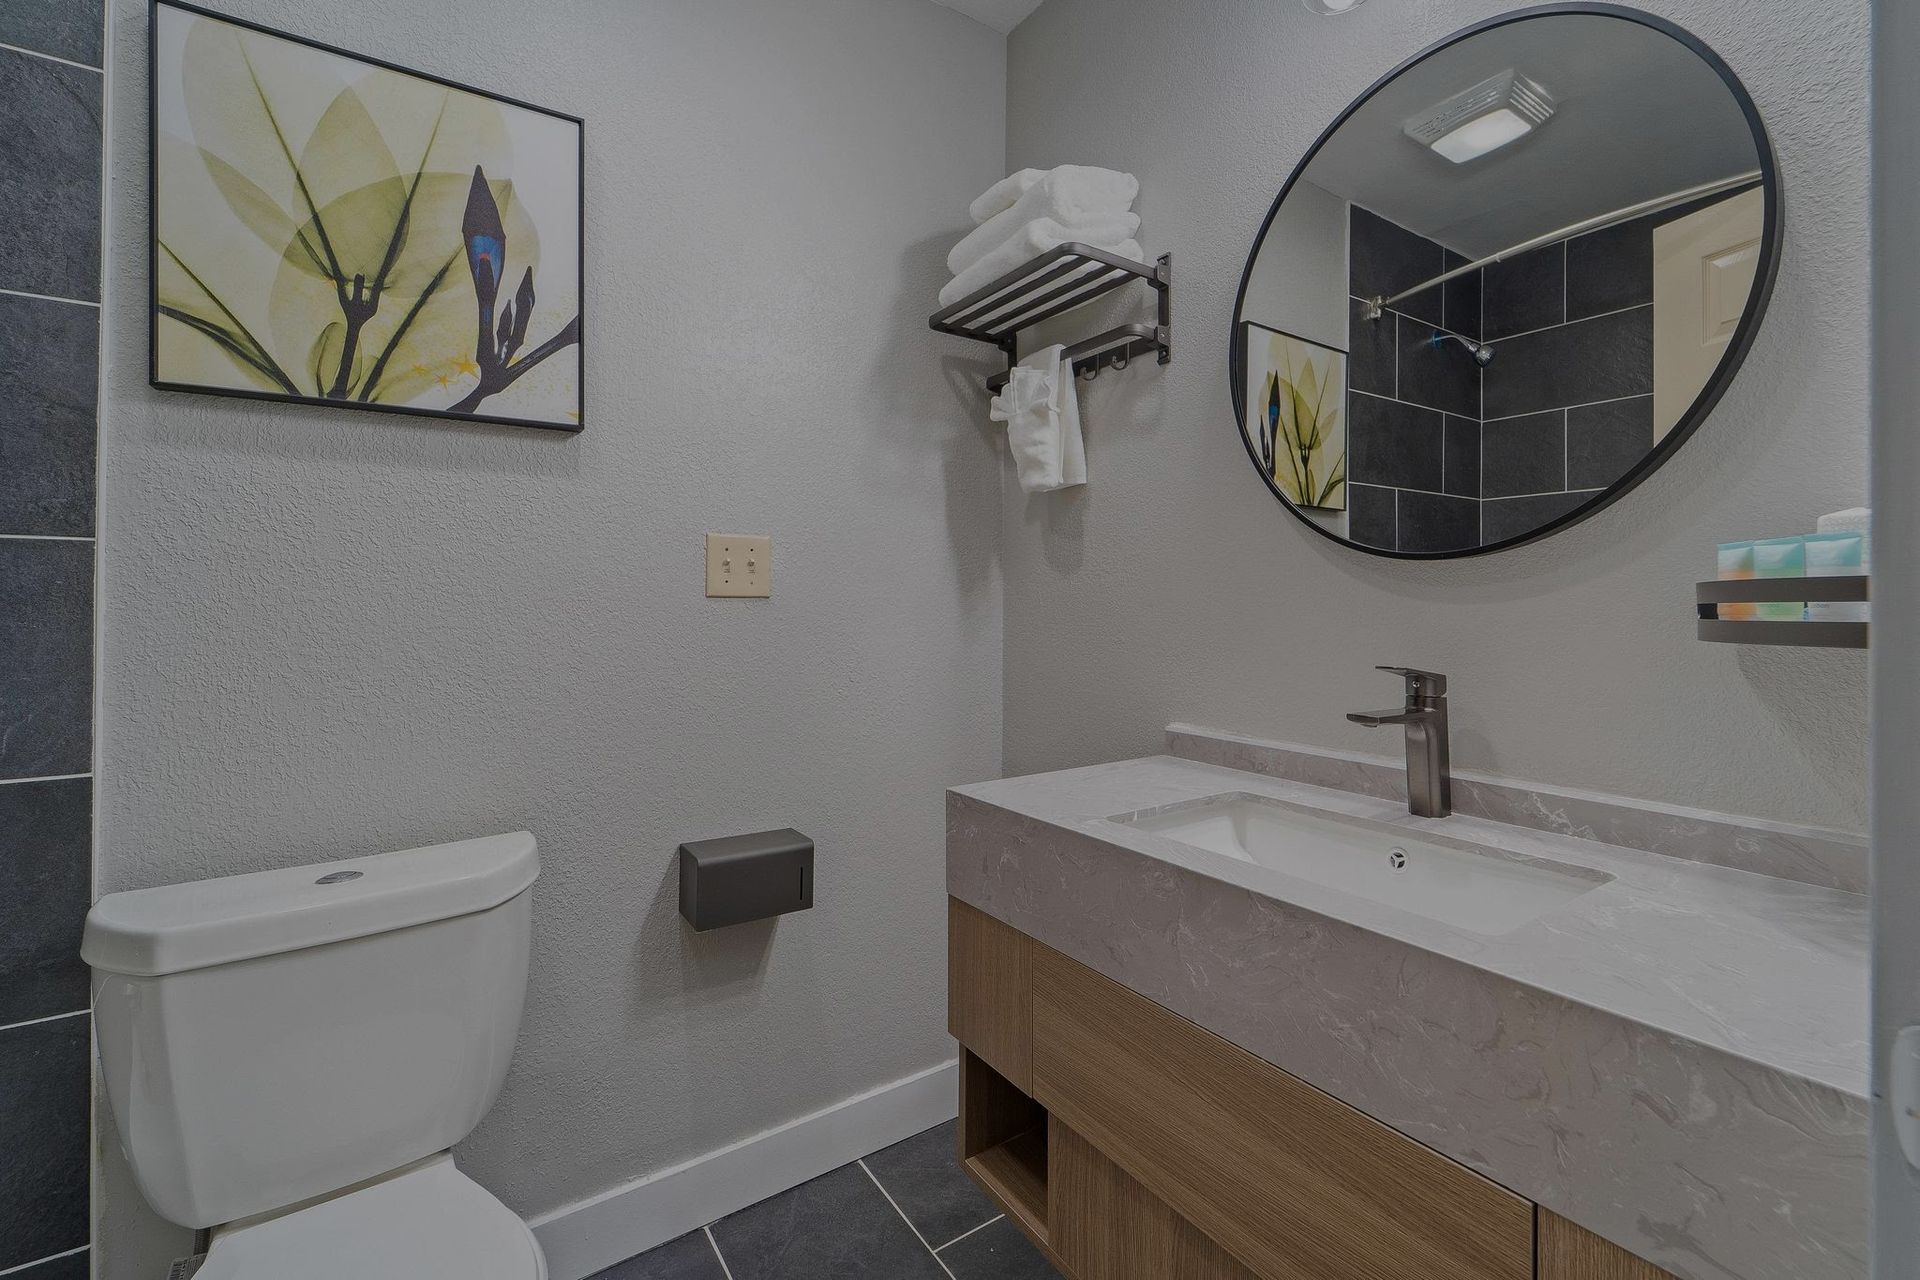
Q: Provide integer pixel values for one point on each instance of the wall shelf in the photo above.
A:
(1051, 285)
(1709, 596)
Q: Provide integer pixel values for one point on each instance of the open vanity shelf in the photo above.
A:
(1709, 596)
(1052, 284)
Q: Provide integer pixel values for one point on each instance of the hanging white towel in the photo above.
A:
(1041, 407)
(1001, 195)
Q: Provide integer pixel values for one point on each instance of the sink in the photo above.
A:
(1472, 887)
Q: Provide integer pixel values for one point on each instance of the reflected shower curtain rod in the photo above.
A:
(1377, 306)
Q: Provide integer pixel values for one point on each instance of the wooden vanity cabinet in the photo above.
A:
(1131, 1144)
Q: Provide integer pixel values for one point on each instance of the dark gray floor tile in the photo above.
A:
(43, 1198)
(49, 177)
(45, 860)
(1431, 522)
(1605, 441)
(1462, 477)
(1371, 516)
(924, 1177)
(75, 1266)
(1524, 455)
(49, 376)
(690, 1257)
(998, 1252)
(70, 29)
(1390, 443)
(1524, 293)
(1386, 258)
(1504, 518)
(46, 657)
(837, 1227)
(1605, 358)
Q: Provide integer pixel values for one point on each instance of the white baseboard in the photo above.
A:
(593, 1234)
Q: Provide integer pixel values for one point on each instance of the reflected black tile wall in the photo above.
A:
(1607, 358)
(1431, 522)
(1525, 293)
(1461, 465)
(1463, 301)
(1372, 516)
(1385, 258)
(1390, 443)
(1373, 353)
(1605, 441)
(1503, 518)
(50, 184)
(1524, 455)
(1438, 374)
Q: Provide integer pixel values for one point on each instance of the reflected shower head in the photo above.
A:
(1482, 353)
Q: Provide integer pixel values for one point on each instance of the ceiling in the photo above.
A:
(1639, 116)
(1001, 15)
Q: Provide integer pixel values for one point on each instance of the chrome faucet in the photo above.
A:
(1429, 770)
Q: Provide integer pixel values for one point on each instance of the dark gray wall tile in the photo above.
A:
(1462, 457)
(1462, 305)
(46, 657)
(75, 1266)
(1385, 258)
(1527, 292)
(45, 842)
(44, 1081)
(1611, 269)
(1434, 522)
(70, 29)
(837, 1227)
(49, 177)
(924, 1177)
(998, 1252)
(1389, 443)
(1373, 347)
(1440, 375)
(1606, 358)
(690, 1257)
(49, 374)
(1371, 516)
(1503, 518)
(1523, 455)
(1605, 441)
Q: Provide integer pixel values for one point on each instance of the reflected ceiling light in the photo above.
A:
(1485, 118)
(1331, 6)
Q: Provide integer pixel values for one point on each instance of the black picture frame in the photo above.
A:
(1739, 345)
(1242, 344)
(158, 383)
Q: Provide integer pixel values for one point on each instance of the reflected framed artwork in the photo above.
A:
(330, 229)
(1296, 421)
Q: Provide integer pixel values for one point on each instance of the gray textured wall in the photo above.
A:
(330, 634)
(1175, 587)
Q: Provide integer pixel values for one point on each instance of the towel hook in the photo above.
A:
(1091, 372)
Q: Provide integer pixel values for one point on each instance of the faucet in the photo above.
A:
(1429, 771)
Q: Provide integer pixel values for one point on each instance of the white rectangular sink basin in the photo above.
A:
(1472, 887)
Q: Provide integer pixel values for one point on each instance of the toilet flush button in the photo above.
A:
(339, 877)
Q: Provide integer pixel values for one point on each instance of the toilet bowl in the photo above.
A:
(289, 1056)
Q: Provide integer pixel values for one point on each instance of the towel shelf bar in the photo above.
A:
(1051, 285)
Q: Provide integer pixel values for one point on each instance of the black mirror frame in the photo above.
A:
(1704, 403)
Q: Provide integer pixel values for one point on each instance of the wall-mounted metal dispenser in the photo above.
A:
(735, 879)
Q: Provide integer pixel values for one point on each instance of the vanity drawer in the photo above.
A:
(1292, 1182)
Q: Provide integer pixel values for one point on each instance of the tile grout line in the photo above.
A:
(34, 1022)
(47, 297)
(970, 1231)
(52, 1257)
(714, 1245)
(938, 1261)
(65, 62)
(46, 537)
(54, 777)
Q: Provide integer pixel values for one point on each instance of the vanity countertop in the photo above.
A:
(1773, 971)
(1676, 1059)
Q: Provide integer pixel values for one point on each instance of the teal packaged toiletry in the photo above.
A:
(1836, 555)
(1781, 558)
(1736, 565)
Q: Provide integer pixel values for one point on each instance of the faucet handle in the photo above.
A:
(1420, 684)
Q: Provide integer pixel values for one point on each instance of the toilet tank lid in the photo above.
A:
(177, 927)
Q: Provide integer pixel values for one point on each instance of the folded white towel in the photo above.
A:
(1001, 195)
(1041, 407)
(1074, 196)
(1024, 246)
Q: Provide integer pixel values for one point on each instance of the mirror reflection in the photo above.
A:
(1511, 281)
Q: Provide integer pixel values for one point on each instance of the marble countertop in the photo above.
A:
(1770, 971)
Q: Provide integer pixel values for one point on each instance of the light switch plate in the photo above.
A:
(739, 566)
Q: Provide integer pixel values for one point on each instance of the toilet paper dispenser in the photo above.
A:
(736, 879)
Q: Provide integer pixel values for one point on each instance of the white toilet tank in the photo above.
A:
(274, 1037)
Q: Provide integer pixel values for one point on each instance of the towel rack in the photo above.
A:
(1052, 284)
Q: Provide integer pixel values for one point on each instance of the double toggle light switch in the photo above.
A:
(739, 565)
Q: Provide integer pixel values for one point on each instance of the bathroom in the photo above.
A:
(249, 632)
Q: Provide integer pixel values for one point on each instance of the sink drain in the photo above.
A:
(1397, 859)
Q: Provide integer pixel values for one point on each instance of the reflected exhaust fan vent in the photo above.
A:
(1473, 122)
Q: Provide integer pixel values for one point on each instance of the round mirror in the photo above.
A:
(1506, 284)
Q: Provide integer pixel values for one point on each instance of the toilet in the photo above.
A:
(289, 1056)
